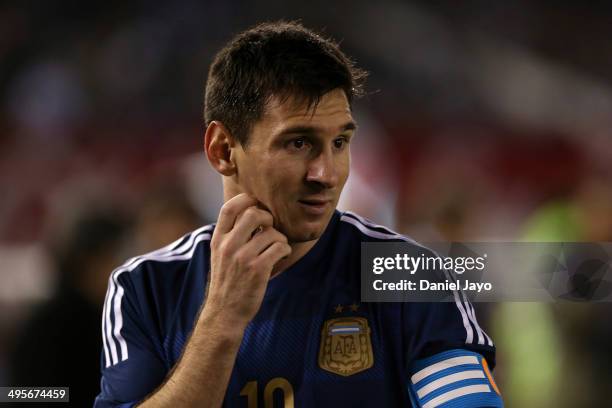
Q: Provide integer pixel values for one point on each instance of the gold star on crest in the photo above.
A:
(338, 309)
(354, 307)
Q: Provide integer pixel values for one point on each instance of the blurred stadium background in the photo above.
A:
(486, 120)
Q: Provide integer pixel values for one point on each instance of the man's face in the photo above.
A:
(297, 161)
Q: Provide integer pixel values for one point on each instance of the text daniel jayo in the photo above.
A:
(424, 284)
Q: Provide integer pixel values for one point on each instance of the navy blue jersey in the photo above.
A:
(311, 344)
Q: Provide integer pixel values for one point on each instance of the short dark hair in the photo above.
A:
(282, 59)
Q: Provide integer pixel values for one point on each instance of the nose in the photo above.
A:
(322, 169)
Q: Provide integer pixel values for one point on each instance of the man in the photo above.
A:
(262, 309)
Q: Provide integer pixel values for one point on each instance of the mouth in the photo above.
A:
(315, 206)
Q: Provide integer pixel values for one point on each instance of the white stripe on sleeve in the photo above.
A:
(449, 379)
(456, 393)
(114, 297)
(442, 365)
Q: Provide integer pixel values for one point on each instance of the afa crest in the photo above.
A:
(346, 347)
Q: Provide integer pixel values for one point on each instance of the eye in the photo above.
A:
(340, 142)
(298, 143)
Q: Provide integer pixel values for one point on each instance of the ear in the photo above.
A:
(218, 145)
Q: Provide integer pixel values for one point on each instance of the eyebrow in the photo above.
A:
(300, 129)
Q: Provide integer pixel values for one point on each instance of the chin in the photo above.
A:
(305, 231)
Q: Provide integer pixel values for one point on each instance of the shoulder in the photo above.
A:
(364, 230)
(143, 293)
(368, 231)
(164, 263)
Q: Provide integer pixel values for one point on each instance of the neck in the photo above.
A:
(298, 250)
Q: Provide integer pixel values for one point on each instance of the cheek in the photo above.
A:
(272, 180)
(343, 169)
(284, 178)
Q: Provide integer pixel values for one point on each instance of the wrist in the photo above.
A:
(223, 324)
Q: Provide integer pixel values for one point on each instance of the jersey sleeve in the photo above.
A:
(439, 326)
(449, 357)
(449, 323)
(451, 379)
(132, 362)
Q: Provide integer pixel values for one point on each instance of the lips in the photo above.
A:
(315, 206)
(315, 201)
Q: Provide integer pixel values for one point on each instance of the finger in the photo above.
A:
(263, 240)
(274, 253)
(248, 222)
(231, 210)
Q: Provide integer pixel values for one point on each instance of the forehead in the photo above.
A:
(332, 111)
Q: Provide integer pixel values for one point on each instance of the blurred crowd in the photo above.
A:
(486, 122)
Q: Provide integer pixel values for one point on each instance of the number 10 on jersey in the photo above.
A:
(278, 383)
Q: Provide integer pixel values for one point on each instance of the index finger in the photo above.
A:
(231, 210)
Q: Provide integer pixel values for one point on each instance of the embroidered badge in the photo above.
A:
(346, 347)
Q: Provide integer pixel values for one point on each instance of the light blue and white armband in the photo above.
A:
(453, 379)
